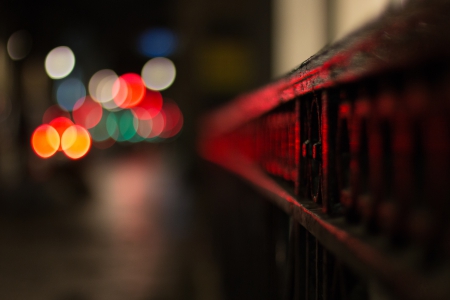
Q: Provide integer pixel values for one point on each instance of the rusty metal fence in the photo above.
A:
(354, 145)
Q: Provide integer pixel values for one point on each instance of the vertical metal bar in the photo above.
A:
(285, 144)
(329, 125)
(293, 162)
(315, 152)
(328, 272)
(310, 270)
(300, 265)
(297, 146)
(304, 136)
(359, 155)
(325, 152)
(319, 270)
(291, 262)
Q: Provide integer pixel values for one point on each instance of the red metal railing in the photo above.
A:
(355, 145)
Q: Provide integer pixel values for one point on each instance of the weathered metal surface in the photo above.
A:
(355, 145)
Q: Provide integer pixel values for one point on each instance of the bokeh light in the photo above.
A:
(120, 125)
(54, 112)
(158, 124)
(112, 126)
(68, 92)
(61, 124)
(87, 113)
(76, 142)
(174, 119)
(150, 105)
(126, 126)
(157, 42)
(158, 73)
(19, 45)
(99, 132)
(143, 127)
(120, 91)
(129, 90)
(45, 141)
(111, 106)
(101, 86)
(59, 62)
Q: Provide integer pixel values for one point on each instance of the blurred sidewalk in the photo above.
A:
(133, 238)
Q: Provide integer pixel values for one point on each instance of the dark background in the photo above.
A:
(170, 229)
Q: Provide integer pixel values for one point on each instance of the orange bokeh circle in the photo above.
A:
(45, 141)
(61, 124)
(76, 142)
